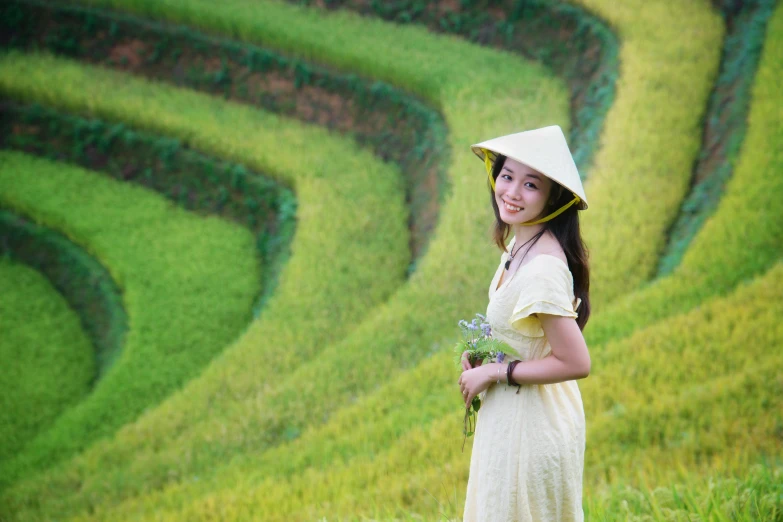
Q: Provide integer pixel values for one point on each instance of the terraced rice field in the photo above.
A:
(237, 238)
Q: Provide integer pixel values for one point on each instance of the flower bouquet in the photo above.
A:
(478, 342)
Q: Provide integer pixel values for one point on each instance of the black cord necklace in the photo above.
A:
(512, 254)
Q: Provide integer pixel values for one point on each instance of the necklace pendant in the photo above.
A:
(508, 264)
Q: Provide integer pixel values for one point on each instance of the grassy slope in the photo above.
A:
(74, 273)
(683, 408)
(165, 260)
(669, 59)
(720, 327)
(755, 495)
(652, 435)
(235, 29)
(751, 198)
(724, 125)
(48, 361)
(744, 236)
(327, 275)
(195, 421)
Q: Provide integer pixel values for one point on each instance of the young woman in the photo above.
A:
(529, 441)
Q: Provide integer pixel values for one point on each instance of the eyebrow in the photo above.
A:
(535, 176)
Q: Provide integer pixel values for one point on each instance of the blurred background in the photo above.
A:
(236, 239)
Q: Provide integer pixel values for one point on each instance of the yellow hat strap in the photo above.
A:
(555, 213)
(488, 165)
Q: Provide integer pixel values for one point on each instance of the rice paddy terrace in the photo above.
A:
(237, 238)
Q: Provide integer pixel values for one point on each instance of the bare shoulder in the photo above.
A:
(549, 245)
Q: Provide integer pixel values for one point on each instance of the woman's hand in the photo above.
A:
(466, 363)
(472, 382)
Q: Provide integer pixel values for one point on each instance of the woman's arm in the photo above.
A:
(569, 359)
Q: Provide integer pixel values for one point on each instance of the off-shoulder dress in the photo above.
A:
(528, 448)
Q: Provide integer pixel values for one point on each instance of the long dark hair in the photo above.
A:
(565, 228)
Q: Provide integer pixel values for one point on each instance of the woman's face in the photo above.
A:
(521, 193)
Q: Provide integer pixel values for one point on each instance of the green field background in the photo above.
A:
(236, 239)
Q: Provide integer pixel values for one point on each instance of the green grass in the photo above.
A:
(726, 329)
(727, 421)
(194, 181)
(713, 340)
(340, 277)
(742, 238)
(666, 420)
(669, 60)
(344, 438)
(751, 197)
(753, 496)
(173, 268)
(418, 321)
(394, 124)
(721, 424)
(576, 45)
(665, 79)
(230, 408)
(48, 361)
(84, 283)
(724, 125)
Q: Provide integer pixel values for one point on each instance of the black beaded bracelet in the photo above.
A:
(509, 378)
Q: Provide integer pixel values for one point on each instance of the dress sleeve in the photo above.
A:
(545, 289)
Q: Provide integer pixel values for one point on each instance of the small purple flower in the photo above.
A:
(482, 317)
(501, 356)
(486, 329)
(472, 326)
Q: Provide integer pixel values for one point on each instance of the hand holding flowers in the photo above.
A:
(472, 382)
(477, 347)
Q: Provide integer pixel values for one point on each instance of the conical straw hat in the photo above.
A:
(544, 150)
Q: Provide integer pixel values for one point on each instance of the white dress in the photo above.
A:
(528, 447)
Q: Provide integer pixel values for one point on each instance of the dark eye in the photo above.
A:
(505, 176)
(531, 184)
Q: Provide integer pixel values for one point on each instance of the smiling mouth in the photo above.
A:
(511, 208)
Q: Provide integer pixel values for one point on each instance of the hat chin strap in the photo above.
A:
(488, 164)
(553, 214)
